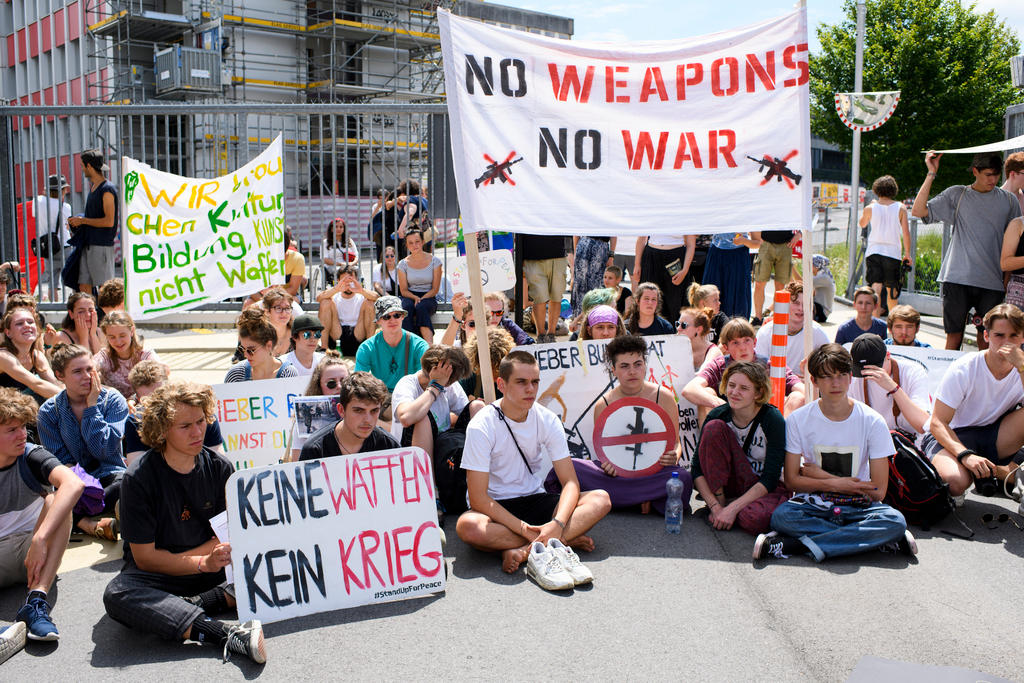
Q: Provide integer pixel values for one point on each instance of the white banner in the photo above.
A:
(190, 241)
(256, 418)
(328, 534)
(555, 136)
(1012, 143)
(934, 362)
(573, 377)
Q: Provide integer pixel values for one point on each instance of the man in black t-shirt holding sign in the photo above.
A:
(37, 494)
(359, 404)
(173, 577)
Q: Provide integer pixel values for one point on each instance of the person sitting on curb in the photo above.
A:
(741, 451)
(898, 391)
(84, 425)
(976, 426)
(145, 378)
(904, 323)
(172, 582)
(392, 353)
(626, 358)
(837, 465)
(306, 333)
(508, 446)
(432, 400)
(864, 302)
(737, 340)
(359, 406)
(35, 514)
(346, 311)
(794, 329)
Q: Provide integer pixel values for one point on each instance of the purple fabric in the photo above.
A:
(625, 492)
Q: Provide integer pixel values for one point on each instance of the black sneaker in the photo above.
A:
(776, 545)
(907, 545)
(246, 639)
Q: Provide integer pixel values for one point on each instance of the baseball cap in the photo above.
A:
(867, 349)
(306, 321)
(385, 305)
(56, 182)
(94, 158)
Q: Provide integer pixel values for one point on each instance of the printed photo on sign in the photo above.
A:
(335, 533)
(315, 412)
(837, 460)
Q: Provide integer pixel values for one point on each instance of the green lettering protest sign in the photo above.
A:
(190, 241)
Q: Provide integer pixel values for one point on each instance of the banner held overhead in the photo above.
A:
(555, 136)
(191, 241)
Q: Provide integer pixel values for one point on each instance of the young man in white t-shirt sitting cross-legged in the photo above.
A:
(508, 444)
(976, 426)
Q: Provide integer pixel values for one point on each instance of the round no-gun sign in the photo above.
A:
(632, 434)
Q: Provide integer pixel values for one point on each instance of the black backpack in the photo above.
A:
(915, 487)
(449, 476)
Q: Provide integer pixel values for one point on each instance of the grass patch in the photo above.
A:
(929, 258)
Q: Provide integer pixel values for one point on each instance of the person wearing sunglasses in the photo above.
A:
(392, 353)
(360, 401)
(463, 324)
(346, 312)
(257, 337)
(306, 333)
(695, 323)
(326, 380)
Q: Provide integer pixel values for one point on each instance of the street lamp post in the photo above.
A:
(852, 232)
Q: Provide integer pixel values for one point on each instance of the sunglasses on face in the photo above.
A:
(682, 325)
(250, 350)
(471, 324)
(332, 384)
(392, 316)
(310, 334)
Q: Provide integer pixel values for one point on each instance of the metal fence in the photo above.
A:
(336, 157)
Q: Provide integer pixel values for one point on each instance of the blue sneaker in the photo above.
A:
(36, 615)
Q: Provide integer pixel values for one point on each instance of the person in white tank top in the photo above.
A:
(885, 252)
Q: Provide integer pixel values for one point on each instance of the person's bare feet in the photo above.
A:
(645, 507)
(512, 558)
(581, 542)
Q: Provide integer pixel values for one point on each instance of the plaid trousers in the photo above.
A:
(151, 603)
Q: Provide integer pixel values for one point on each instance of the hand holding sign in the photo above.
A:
(625, 437)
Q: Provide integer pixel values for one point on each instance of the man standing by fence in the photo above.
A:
(100, 224)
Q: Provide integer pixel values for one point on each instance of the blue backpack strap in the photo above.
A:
(26, 473)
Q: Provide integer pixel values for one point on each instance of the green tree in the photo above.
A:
(952, 66)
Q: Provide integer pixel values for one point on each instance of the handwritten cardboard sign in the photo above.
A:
(497, 271)
(256, 418)
(190, 241)
(328, 534)
(573, 377)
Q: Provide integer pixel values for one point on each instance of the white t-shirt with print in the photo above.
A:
(490, 448)
(971, 389)
(755, 456)
(452, 400)
(840, 448)
(794, 344)
(913, 381)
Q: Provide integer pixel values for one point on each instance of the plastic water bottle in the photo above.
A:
(566, 310)
(674, 505)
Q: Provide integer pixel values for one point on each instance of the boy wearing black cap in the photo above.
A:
(100, 222)
(897, 391)
(980, 214)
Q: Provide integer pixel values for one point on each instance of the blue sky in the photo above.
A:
(621, 20)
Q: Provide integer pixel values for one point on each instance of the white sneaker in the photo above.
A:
(12, 639)
(544, 567)
(570, 562)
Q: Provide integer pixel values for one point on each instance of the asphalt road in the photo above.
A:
(692, 607)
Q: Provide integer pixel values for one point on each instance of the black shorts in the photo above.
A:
(883, 269)
(980, 439)
(958, 300)
(536, 509)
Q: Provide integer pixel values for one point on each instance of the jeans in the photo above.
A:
(858, 529)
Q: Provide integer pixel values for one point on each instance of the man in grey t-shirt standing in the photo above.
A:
(980, 213)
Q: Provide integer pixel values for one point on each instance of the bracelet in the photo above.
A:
(558, 522)
(963, 454)
(931, 174)
(457, 320)
(437, 385)
(199, 565)
(714, 503)
(897, 388)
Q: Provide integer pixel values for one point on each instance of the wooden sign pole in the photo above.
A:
(476, 296)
